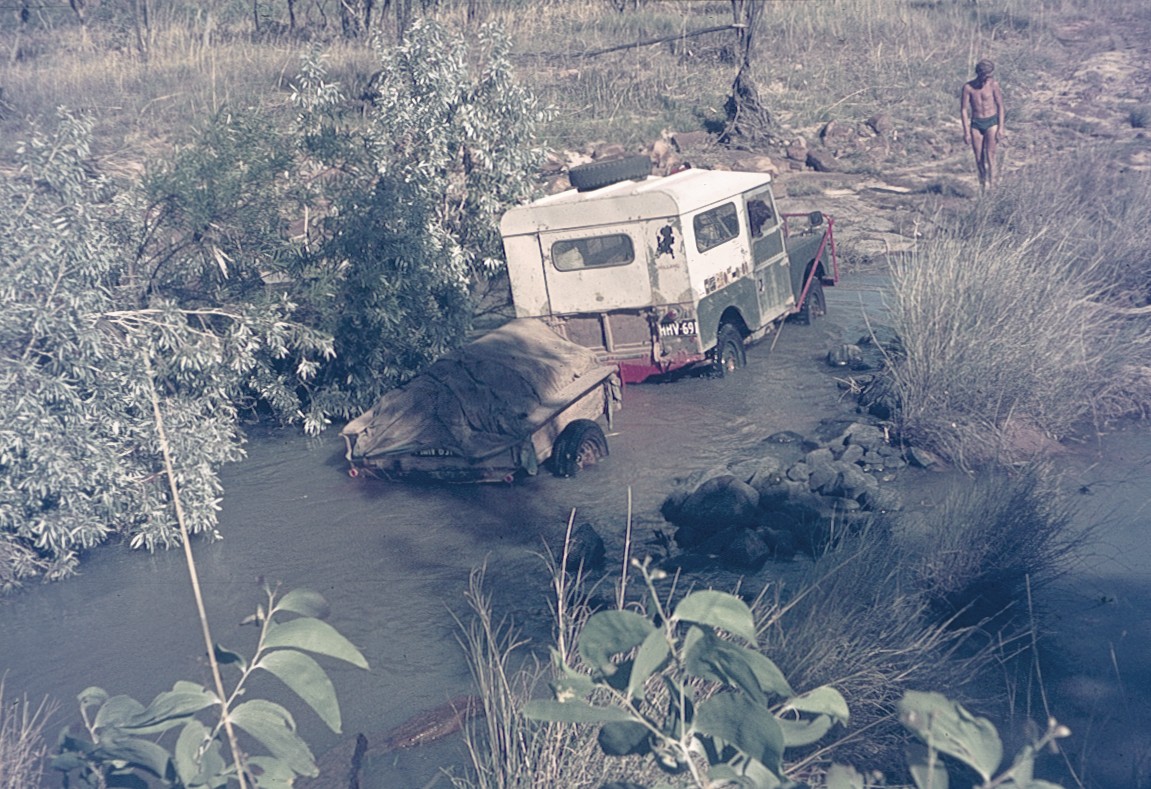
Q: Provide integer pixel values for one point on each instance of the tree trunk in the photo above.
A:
(747, 118)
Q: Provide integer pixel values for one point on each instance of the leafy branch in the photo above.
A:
(679, 686)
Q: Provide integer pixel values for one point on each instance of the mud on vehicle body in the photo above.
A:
(655, 274)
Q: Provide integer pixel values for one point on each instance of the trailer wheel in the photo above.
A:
(729, 354)
(581, 444)
(815, 305)
(596, 175)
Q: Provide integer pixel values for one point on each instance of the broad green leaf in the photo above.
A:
(271, 773)
(927, 775)
(717, 609)
(824, 700)
(141, 753)
(1023, 768)
(572, 685)
(187, 752)
(798, 733)
(273, 726)
(751, 774)
(608, 633)
(624, 738)
(573, 712)
(309, 681)
(712, 658)
(92, 697)
(304, 602)
(651, 657)
(841, 776)
(116, 711)
(225, 657)
(750, 727)
(170, 709)
(312, 635)
(945, 725)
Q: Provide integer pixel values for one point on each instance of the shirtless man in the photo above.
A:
(981, 111)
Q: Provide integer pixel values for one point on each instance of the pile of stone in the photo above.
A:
(794, 498)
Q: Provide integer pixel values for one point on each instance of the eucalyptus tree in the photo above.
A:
(80, 345)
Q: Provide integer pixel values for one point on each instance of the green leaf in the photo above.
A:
(304, 602)
(652, 656)
(925, 775)
(824, 700)
(170, 709)
(841, 776)
(141, 753)
(573, 712)
(624, 738)
(116, 712)
(798, 733)
(225, 657)
(712, 658)
(312, 635)
(271, 773)
(273, 726)
(608, 633)
(91, 697)
(309, 681)
(719, 610)
(750, 727)
(945, 725)
(187, 753)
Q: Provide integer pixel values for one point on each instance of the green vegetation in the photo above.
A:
(293, 267)
(117, 741)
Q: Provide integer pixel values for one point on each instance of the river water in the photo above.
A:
(394, 559)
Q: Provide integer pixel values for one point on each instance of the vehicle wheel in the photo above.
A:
(815, 305)
(581, 444)
(729, 353)
(595, 175)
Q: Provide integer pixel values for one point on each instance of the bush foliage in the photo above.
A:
(294, 269)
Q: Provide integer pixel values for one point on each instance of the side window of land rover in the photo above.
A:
(715, 226)
(573, 254)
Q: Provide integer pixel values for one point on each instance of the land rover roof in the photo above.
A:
(652, 198)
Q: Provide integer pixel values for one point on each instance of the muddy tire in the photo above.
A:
(581, 444)
(729, 354)
(815, 305)
(596, 175)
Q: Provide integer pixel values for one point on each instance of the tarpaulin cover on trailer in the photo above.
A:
(481, 398)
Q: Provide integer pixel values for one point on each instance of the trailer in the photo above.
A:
(516, 400)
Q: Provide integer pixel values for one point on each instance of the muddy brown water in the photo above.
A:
(394, 560)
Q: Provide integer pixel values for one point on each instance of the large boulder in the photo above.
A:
(719, 503)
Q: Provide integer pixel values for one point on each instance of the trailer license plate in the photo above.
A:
(434, 453)
(678, 329)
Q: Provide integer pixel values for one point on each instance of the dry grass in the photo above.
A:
(22, 746)
(1023, 324)
(859, 621)
(505, 750)
(845, 60)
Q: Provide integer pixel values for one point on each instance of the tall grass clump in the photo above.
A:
(860, 621)
(505, 750)
(988, 544)
(22, 745)
(1018, 325)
